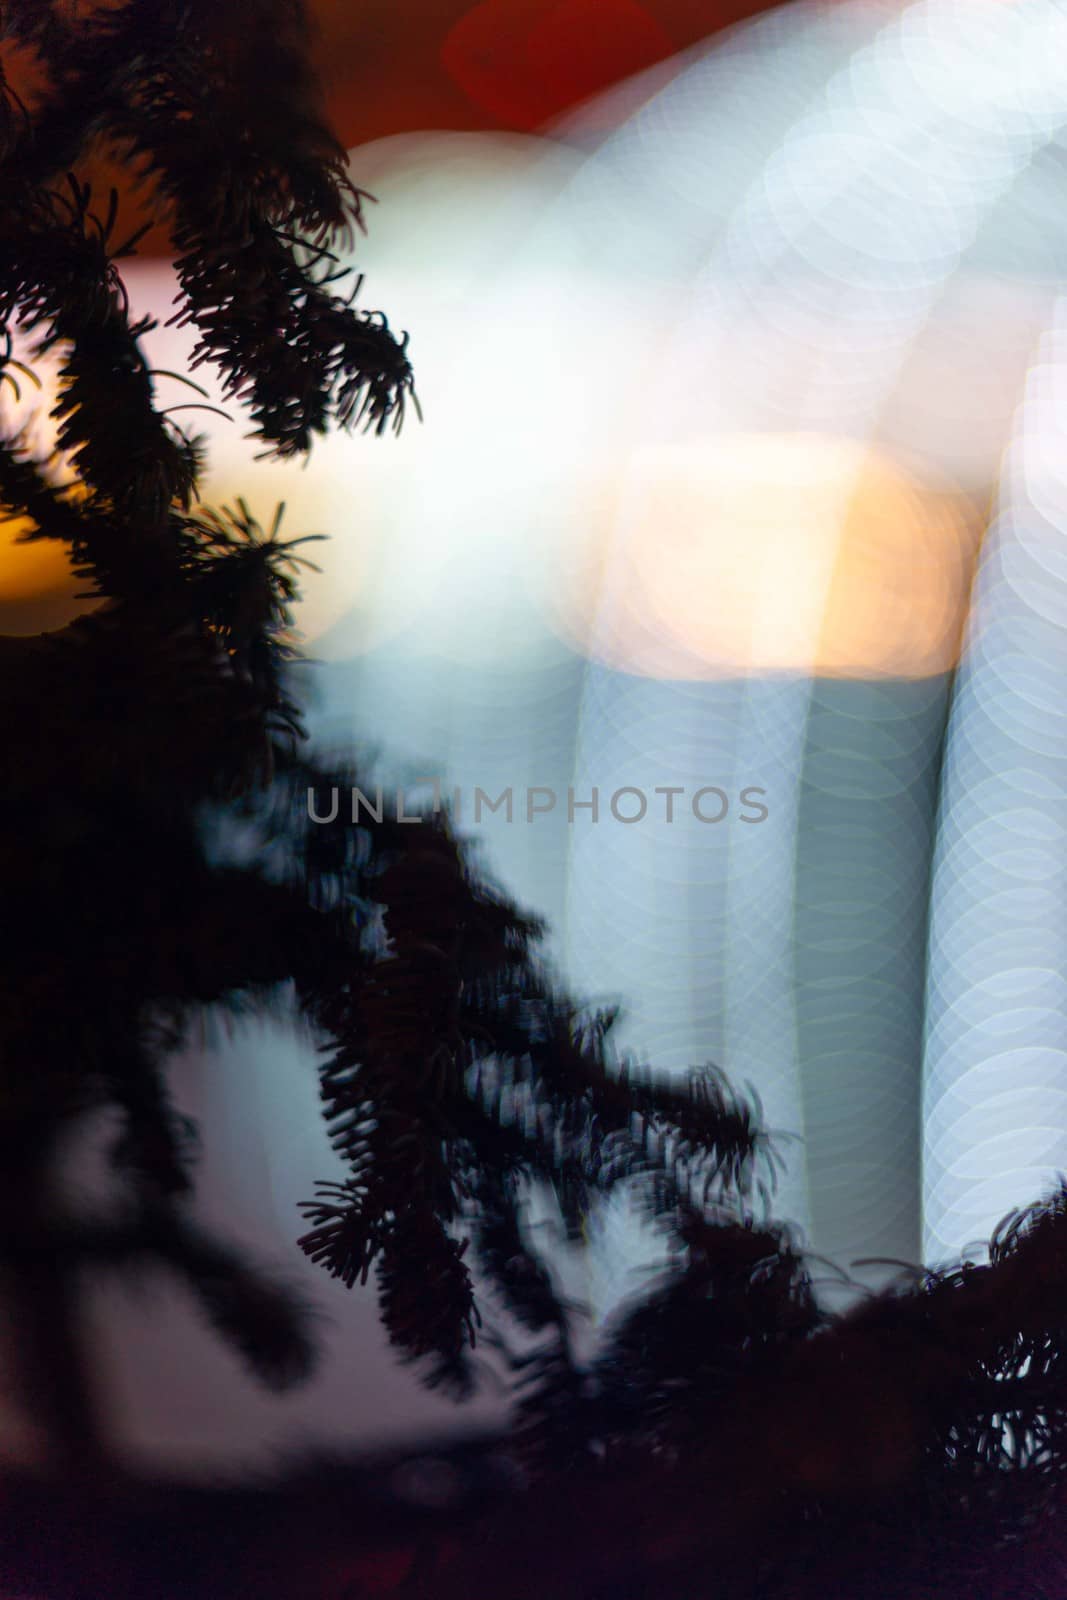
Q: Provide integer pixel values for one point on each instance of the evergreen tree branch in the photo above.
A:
(263, 1320)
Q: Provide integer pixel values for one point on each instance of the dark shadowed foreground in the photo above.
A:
(454, 1522)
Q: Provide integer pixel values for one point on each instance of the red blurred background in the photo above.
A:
(500, 64)
(397, 66)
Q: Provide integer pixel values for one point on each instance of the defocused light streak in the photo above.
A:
(995, 1094)
(713, 407)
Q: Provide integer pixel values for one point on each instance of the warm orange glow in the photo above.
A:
(769, 553)
(37, 586)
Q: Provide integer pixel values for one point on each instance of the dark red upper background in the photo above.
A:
(396, 66)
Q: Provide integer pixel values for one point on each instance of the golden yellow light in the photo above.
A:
(770, 553)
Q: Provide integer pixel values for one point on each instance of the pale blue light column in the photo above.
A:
(868, 789)
(995, 1092)
(686, 921)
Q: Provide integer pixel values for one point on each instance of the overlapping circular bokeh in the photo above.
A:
(996, 1047)
(714, 408)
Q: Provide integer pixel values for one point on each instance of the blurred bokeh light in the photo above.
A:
(721, 373)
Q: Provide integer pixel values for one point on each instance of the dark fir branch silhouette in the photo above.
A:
(453, 1071)
(727, 1423)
